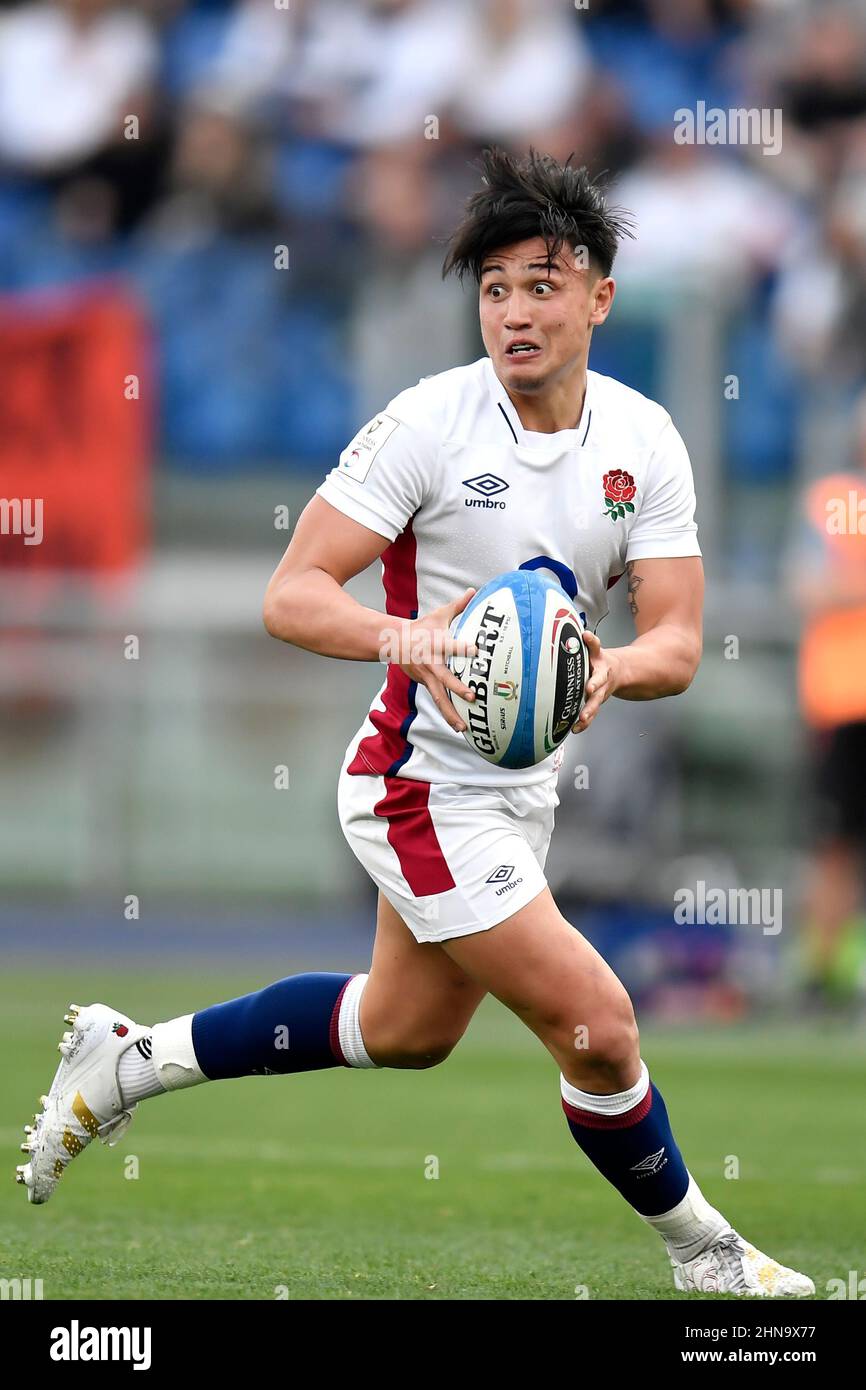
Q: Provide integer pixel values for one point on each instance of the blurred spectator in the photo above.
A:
(829, 585)
(820, 80)
(72, 74)
(523, 71)
(220, 179)
(701, 214)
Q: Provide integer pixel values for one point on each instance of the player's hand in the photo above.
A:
(601, 683)
(430, 645)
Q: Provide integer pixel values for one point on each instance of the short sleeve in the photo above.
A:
(384, 473)
(665, 522)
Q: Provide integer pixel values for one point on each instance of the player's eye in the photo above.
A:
(542, 285)
(491, 288)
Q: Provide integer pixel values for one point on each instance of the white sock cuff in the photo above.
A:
(607, 1105)
(691, 1224)
(349, 1024)
(174, 1055)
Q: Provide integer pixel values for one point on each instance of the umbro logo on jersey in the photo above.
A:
(503, 875)
(653, 1163)
(488, 485)
(145, 1048)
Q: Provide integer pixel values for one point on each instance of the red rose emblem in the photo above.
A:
(619, 490)
(619, 486)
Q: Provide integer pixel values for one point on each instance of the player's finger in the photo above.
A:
(587, 714)
(453, 682)
(458, 604)
(456, 646)
(443, 704)
(597, 681)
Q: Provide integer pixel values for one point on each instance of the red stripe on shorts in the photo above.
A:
(413, 837)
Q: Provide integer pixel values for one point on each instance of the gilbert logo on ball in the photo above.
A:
(530, 671)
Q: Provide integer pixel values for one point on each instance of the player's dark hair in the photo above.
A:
(535, 196)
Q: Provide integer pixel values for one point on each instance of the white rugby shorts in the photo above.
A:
(451, 859)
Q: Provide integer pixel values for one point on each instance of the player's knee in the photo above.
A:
(415, 1056)
(605, 1047)
(415, 1049)
(613, 1045)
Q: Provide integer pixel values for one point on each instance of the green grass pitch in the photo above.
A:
(315, 1186)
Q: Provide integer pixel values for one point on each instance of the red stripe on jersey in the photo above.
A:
(412, 835)
(398, 574)
(591, 1120)
(380, 751)
(389, 748)
(615, 580)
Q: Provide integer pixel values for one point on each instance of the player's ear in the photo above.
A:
(603, 292)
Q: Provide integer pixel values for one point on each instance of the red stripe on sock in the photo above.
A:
(334, 1029)
(591, 1120)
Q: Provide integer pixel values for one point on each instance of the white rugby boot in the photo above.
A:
(84, 1101)
(731, 1265)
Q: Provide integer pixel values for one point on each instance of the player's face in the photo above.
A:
(549, 307)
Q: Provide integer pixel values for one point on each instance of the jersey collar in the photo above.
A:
(533, 439)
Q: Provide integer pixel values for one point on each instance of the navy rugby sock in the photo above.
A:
(628, 1137)
(292, 1025)
(302, 1023)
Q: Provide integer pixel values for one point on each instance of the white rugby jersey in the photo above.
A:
(463, 492)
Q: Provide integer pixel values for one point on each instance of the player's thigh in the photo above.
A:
(416, 997)
(548, 974)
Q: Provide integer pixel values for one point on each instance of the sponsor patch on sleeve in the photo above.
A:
(357, 457)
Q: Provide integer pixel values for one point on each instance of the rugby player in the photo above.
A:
(524, 458)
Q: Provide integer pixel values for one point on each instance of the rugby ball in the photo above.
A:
(530, 672)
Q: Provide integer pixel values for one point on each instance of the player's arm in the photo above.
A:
(305, 604)
(666, 601)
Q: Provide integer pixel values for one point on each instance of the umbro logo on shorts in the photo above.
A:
(488, 485)
(503, 875)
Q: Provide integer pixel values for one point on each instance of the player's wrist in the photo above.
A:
(616, 669)
(392, 638)
(616, 658)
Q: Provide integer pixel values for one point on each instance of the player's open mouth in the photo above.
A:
(522, 349)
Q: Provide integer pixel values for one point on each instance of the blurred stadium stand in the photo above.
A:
(344, 132)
